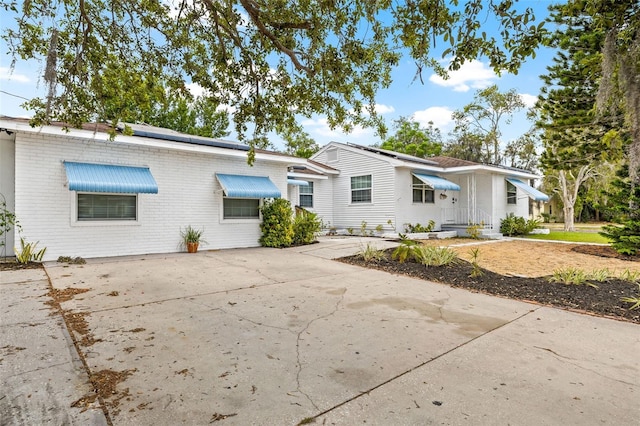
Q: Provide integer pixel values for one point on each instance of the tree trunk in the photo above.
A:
(568, 218)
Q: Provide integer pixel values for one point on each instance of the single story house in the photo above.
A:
(81, 194)
(389, 189)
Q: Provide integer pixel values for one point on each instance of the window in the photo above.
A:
(306, 195)
(107, 207)
(241, 208)
(361, 189)
(512, 193)
(422, 193)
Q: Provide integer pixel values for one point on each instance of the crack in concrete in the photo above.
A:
(392, 379)
(298, 362)
(568, 360)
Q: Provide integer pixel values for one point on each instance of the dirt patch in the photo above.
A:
(520, 270)
(104, 384)
(539, 259)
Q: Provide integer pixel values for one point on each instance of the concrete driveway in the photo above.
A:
(268, 336)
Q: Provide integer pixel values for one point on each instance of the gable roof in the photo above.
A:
(440, 164)
(147, 136)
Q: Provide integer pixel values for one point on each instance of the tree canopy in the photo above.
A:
(267, 62)
(410, 138)
(484, 116)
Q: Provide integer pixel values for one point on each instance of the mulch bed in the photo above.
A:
(603, 301)
(604, 251)
(12, 265)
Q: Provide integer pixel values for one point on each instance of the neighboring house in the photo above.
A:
(80, 194)
(390, 189)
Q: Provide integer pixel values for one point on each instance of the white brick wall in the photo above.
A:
(188, 194)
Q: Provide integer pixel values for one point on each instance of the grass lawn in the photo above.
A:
(576, 237)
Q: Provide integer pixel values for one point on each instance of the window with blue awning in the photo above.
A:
(240, 186)
(87, 177)
(533, 193)
(436, 182)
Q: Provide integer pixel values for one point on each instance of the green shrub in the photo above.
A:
(516, 225)
(625, 239)
(434, 256)
(571, 276)
(277, 223)
(417, 228)
(474, 231)
(406, 250)
(477, 270)
(28, 253)
(306, 226)
(370, 253)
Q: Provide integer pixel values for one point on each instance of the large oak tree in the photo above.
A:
(269, 61)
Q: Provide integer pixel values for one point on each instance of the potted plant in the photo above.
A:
(191, 238)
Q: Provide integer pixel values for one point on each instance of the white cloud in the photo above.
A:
(6, 74)
(473, 74)
(529, 100)
(321, 127)
(440, 116)
(195, 89)
(384, 109)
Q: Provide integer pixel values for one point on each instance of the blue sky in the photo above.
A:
(434, 100)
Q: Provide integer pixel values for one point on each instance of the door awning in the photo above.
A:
(109, 178)
(240, 186)
(297, 182)
(436, 182)
(533, 193)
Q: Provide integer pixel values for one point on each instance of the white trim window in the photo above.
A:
(306, 196)
(361, 189)
(512, 193)
(109, 207)
(241, 208)
(421, 192)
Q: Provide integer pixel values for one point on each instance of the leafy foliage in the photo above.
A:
(412, 139)
(434, 256)
(635, 300)
(269, 62)
(277, 223)
(624, 197)
(571, 276)
(191, 235)
(576, 142)
(7, 221)
(418, 228)
(406, 250)
(516, 225)
(481, 119)
(300, 144)
(370, 253)
(306, 226)
(27, 252)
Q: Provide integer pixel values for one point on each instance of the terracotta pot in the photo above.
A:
(192, 247)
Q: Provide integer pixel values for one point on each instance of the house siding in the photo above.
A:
(382, 207)
(409, 212)
(188, 194)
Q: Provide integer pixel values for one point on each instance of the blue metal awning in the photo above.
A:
(297, 182)
(533, 193)
(239, 186)
(109, 178)
(436, 182)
